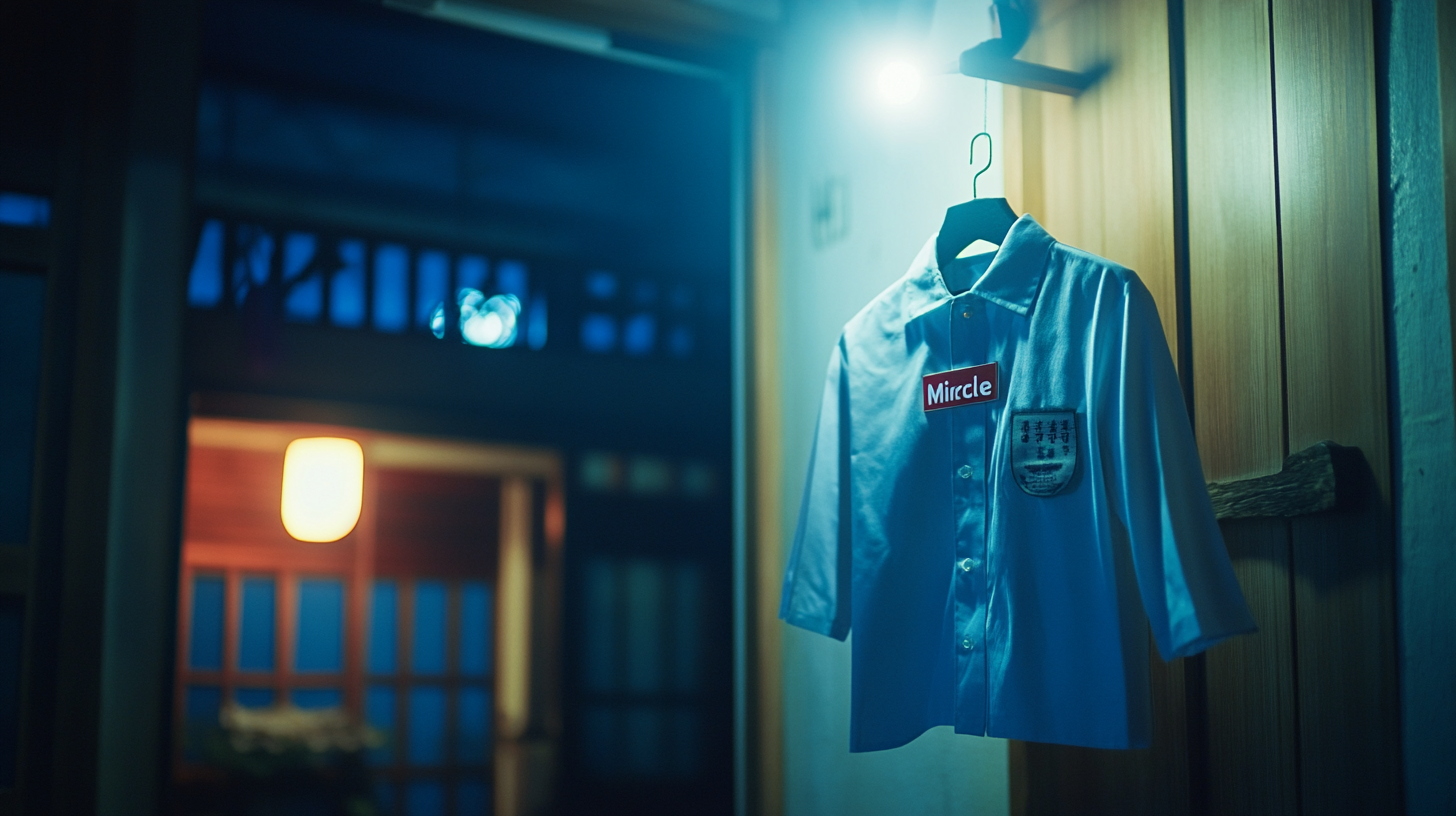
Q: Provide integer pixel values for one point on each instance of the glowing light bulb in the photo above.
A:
(898, 82)
(323, 487)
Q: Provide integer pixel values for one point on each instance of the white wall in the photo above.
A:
(901, 167)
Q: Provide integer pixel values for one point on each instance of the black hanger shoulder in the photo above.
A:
(980, 219)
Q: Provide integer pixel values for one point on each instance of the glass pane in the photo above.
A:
(254, 697)
(346, 290)
(320, 625)
(204, 284)
(472, 798)
(250, 265)
(472, 725)
(255, 642)
(536, 322)
(379, 713)
(429, 635)
(598, 332)
(424, 798)
(600, 609)
(680, 341)
(204, 650)
(684, 739)
(686, 627)
(391, 288)
(12, 641)
(426, 718)
(471, 272)
(383, 627)
(642, 734)
(304, 298)
(21, 210)
(475, 629)
(511, 279)
(22, 304)
(317, 698)
(599, 740)
(200, 710)
(432, 285)
(643, 587)
(639, 334)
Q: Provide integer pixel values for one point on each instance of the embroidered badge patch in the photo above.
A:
(961, 386)
(1044, 451)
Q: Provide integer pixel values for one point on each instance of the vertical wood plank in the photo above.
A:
(1097, 170)
(1330, 221)
(1251, 705)
(1060, 779)
(1334, 330)
(1232, 239)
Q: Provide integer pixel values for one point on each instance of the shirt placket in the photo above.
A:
(969, 343)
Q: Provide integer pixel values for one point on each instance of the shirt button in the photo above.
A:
(964, 472)
(966, 313)
(968, 564)
(968, 644)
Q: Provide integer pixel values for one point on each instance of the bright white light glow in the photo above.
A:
(898, 82)
(489, 322)
(323, 487)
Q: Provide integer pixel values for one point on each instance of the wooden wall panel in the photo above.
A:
(1334, 332)
(1252, 711)
(1097, 171)
(1059, 779)
(1233, 265)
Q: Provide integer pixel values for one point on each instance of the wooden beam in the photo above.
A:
(1306, 484)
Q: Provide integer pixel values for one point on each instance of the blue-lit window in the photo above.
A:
(251, 265)
(303, 301)
(391, 288)
(205, 647)
(346, 289)
(434, 703)
(601, 285)
(397, 288)
(511, 278)
(430, 623)
(426, 726)
(255, 642)
(320, 625)
(536, 322)
(639, 334)
(599, 333)
(471, 272)
(432, 286)
(680, 341)
(383, 627)
(205, 283)
(21, 210)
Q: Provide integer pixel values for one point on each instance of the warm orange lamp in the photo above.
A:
(323, 487)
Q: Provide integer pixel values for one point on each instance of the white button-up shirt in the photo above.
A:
(990, 557)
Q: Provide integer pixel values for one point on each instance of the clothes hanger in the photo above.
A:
(980, 219)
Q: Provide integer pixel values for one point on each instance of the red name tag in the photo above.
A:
(961, 386)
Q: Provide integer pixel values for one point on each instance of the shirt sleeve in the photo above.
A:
(817, 580)
(1187, 582)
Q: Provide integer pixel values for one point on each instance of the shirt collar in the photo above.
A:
(1014, 276)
